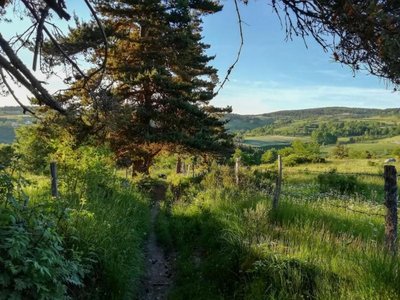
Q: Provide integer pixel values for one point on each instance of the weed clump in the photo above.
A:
(332, 181)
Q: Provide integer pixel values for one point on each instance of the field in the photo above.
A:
(268, 141)
(381, 147)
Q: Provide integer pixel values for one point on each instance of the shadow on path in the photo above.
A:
(159, 269)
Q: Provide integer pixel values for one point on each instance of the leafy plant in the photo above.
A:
(336, 182)
(34, 261)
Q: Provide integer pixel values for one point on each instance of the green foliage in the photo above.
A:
(302, 148)
(323, 136)
(269, 156)
(366, 154)
(108, 220)
(344, 184)
(301, 153)
(248, 156)
(7, 155)
(34, 145)
(297, 159)
(340, 151)
(35, 261)
(86, 245)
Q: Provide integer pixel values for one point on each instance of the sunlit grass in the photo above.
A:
(315, 246)
(107, 224)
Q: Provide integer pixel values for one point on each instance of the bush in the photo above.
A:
(344, 184)
(7, 155)
(34, 260)
(295, 159)
(269, 156)
(219, 176)
(341, 151)
(263, 181)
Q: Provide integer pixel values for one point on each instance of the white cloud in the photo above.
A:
(256, 98)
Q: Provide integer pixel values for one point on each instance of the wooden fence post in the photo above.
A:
(390, 176)
(53, 172)
(237, 168)
(278, 185)
(179, 165)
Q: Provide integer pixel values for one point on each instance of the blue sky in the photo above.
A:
(272, 74)
(275, 75)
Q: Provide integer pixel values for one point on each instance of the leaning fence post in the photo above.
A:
(278, 184)
(53, 172)
(237, 167)
(390, 176)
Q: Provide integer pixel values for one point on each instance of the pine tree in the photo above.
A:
(161, 83)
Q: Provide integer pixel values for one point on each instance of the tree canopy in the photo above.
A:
(160, 83)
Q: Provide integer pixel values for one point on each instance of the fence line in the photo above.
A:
(288, 171)
(356, 210)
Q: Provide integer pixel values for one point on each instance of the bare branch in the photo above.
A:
(39, 36)
(18, 69)
(53, 40)
(11, 91)
(239, 50)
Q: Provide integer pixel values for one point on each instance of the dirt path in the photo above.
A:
(159, 274)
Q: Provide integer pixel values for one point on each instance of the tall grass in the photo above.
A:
(106, 221)
(315, 246)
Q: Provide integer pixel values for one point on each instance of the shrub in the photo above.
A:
(7, 155)
(34, 262)
(341, 151)
(269, 156)
(316, 159)
(294, 159)
(335, 182)
(219, 176)
(262, 181)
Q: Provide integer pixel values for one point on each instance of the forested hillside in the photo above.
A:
(248, 122)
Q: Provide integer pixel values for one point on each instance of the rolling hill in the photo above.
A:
(248, 122)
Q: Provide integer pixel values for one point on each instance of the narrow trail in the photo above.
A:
(159, 266)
